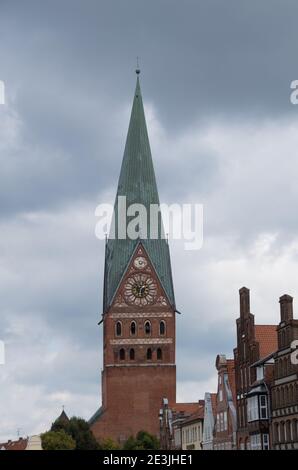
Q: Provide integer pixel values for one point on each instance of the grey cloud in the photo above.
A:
(69, 66)
(210, 70)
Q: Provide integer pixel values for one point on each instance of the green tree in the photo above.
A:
(143, 440)
(57, 440)
(109, 444)
(79, 430)
(147, 440)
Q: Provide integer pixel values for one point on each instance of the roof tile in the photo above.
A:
(266, 335)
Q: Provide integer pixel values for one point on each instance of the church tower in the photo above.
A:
(138, 302)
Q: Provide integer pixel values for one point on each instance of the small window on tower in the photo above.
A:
(118, 328)
(133, 328)
(147, 328)
(149, 354)
(132, 354)
(162, 328)
(159, 354)
(122, 354)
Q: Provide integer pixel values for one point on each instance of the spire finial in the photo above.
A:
(138, 71)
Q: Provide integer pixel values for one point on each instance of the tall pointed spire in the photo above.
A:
(138, 184)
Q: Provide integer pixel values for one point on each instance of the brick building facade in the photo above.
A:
(259, 404)
(285, 385)
(225, 425)
(181, 426)
(254, 342)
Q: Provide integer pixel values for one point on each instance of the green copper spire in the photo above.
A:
(136, 182)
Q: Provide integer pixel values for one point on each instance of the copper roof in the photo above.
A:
(138, 184)
(266, 335)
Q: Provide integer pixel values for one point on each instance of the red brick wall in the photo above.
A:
(134, 396)
(132, 389)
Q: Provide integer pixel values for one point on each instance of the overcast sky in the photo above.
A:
(216, 86)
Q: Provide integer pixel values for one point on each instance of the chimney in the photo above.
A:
(244, 302)
(286, 308)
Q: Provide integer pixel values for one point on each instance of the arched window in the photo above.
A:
(282, 432)
(118, 328)
(291, 394)
(285, 366)
(277, 398)
(162, 328)
(283, 338)
(280, 368)
(276, 433)
(288, 431)
(282, 396)
(122, 354)
(274, 399)
(295, 429)
(147, 327)
(286, 395)
(132, 354)
(133, 328)
(159, 354)
(149, 354)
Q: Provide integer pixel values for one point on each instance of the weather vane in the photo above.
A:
(138, 71)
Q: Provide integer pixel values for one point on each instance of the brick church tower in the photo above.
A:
(138, 302)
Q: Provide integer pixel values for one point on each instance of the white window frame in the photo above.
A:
(263, 407)
(225, 421)
(265, 441)
(256, 442)
(252, 408)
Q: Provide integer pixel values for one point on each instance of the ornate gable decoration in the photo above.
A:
(140, 286)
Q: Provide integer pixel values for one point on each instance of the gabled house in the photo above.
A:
(285, 385)
(225, 428)
(254, 342)
(259, 404)
(175, 432)
(209, 420)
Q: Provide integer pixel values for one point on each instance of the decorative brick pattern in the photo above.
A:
(147, 341)
(142, 315)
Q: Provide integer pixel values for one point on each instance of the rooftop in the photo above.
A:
(20, 444)
(266, 335)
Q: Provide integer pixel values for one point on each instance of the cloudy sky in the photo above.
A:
(216, 86)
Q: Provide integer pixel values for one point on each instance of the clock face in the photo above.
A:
(140, 289)
(140, 262)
